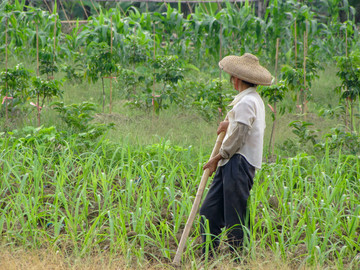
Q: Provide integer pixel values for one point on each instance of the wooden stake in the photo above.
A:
(67, 18)
(272, 136)
(95, 7)
(47, 6)
(303, 111)
(37, 71)
(87, 16)
(154, 57)
(197, 200)
(346, 43)
(295, 41)
(276, 58)
(6, 70)
(54, 45)
(220, 47)
(111, 49)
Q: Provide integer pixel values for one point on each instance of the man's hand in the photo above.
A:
(222, 127)
(212, 164)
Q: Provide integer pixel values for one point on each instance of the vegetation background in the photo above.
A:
(101, 172)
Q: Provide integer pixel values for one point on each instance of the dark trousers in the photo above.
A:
(225, 204)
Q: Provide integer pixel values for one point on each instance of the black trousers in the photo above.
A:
(225, 204)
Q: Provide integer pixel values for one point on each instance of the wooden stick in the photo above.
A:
(295, 38)
(111, 49)
(95, 7)
(272, 136)
(67, 18)
(304, 65)
(197, 200)
(153, 90)
(47, 6)
(6, 69)
(37, 71)
(37, 50)
(87, 16)
(54, 45)
(276, 58)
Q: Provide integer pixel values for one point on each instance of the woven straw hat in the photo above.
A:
(246, 68)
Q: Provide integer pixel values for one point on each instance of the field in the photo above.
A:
(93, 180)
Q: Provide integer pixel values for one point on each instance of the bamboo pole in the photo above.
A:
(197, 200)
(303, 108)
(47, 6)
(6, 70)
(272, 136)
(153, 90)
(87, 16)
(295, 43)
(54, 46)
(95, 7)
(37, 72)
(111, 50)
(67, 18)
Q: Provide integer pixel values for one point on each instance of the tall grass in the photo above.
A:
(133, 201)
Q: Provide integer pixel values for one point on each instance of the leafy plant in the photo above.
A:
(349, 74)
(211, 100)
(15, 85)
(101, 62)
(79, 119)
(304, 134)
(274, 94)
(44, 89)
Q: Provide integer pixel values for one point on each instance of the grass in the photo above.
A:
(132, 201)
(123, 201)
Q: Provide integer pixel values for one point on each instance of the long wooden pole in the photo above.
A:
(304, 66)
(197, 201)
(54, 46)
(272, 136)
(6, 70)
(37, 71)
(111, 49)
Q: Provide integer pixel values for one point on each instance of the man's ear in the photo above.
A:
(236, 83)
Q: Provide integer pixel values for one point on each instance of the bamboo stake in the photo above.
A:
(272, 136)
(54, 45)
(295, 41)
(95, 7)
(37, 71)
(47, 6)
(220, 57)
(67, 18)
(197, 200)
(303, 109)
(153, 92)
(6, 70)
(111, 49)
(87, 16)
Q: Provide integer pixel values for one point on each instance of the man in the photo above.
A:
(240, 153)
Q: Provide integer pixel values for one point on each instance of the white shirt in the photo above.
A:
(248, 109)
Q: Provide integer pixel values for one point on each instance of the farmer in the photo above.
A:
(240, 153)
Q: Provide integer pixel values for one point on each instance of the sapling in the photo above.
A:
(349, 74)
(101, 63)
(274, 94)
(43, 89)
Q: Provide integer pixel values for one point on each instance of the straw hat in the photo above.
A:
(246, 68)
